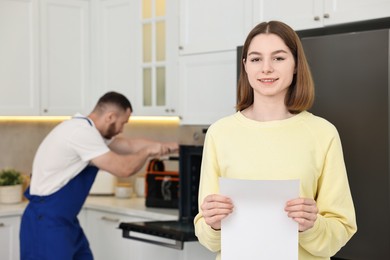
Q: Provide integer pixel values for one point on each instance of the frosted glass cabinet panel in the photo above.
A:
(157, 78)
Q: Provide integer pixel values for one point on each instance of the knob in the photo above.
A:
(326, 16)
(181, 48)
(45, 110)
(316, 18)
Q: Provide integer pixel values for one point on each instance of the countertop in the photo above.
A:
(130, 207)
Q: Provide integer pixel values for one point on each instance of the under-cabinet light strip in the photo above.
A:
(172, 119)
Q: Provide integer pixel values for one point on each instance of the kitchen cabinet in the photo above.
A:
(65, 57)
(210, 26)
(105, 238)
(208, 87)
(146, 251)
(9, 237)
(157, 58)
(19, 85)
(113, 31)
(45, 65)
(136, 53)
(308, 14)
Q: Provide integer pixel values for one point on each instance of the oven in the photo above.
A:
(174, 234)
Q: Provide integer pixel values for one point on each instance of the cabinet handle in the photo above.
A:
(2, 225)
(45, 110)
(316, 18)
(326, 16)
(110, 219)
(181, 48)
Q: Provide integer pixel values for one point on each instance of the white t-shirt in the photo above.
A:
(64, 153)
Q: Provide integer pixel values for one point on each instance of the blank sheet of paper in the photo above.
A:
(259, 228)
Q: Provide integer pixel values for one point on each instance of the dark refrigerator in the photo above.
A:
(351, 75)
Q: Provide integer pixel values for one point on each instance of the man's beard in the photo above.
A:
(111, 131)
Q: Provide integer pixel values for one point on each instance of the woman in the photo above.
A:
(272, 136)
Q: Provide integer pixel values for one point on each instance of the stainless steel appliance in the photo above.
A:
(174, 234)
(350, 66)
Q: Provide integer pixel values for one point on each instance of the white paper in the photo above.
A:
(259, 228)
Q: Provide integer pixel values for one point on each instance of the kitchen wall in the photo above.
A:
(20, 140)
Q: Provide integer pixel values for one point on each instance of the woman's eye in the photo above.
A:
(279, 58)
(255, 59)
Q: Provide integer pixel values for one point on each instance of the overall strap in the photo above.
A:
(85, 118)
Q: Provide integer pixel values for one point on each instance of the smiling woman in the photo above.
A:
(273, 137)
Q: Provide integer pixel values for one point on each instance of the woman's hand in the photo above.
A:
(303, 211)
(214, 208)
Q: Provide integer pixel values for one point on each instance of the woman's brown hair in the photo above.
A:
(300, 95)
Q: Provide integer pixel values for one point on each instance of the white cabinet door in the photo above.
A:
(207, 87)
(65, 57)
(218, 25)
(9, 237)
(344, 11)
(19, 58)
(309, 14)
(157, 58)
(105, 238)
(302, 14)
(114, 48)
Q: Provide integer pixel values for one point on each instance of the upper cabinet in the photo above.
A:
(114, 48)
(208, 87)
(19, 85)
(45, 60)
(157, 58)
(344, 11)
(308, 14)
(65, 56)
(209, 26)
(168, 57)
(135, 53)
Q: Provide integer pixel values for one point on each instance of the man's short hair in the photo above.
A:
(114, 98)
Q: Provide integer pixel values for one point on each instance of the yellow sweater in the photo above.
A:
(304, 147)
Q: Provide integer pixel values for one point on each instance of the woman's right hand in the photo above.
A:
(214, 208)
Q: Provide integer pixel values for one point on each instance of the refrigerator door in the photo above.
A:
(351, 74)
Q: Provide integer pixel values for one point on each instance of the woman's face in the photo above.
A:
(270, 66)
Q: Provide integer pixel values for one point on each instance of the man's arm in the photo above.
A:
(124, 160)
(124, 145)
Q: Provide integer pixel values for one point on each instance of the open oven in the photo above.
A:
(174, 234)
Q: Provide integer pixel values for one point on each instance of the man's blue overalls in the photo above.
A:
(50, 229)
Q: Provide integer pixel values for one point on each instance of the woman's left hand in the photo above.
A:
(303, 211)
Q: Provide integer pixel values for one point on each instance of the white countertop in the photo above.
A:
(12, 209)
(131, 207)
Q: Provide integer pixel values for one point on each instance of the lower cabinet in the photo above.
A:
(9, 237)
(106, 240)
(191, 251)
(104, 237)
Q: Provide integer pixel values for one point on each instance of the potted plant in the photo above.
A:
(11, 182)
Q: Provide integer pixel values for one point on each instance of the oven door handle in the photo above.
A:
(161, 241)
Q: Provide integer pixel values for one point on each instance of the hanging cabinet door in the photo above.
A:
(157, 60)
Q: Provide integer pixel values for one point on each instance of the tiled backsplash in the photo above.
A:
(20, 140)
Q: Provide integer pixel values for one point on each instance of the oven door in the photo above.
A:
(170, 234)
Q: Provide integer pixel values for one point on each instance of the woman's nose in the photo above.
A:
(267, 67)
